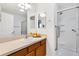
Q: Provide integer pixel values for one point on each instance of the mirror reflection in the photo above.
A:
(13, 18)
(32, 22)
(42, 20)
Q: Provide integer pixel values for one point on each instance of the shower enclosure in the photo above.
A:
(67, 31)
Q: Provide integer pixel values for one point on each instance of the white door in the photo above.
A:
(68, 29)
(6, 24)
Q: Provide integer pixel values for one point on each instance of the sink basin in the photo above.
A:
(31, 39)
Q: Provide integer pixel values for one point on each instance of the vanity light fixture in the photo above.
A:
(24, 6)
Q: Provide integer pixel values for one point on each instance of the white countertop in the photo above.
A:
(9, 47)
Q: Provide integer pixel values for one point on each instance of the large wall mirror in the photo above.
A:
(13, 19)
(42, 20)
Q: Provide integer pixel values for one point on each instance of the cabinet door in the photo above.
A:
(43, 42)
(31, 53)
(33, 47)
(41, 51)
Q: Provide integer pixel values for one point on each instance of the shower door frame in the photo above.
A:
(78, 26)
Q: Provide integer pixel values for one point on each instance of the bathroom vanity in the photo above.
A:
(36, 49)
(24, 47)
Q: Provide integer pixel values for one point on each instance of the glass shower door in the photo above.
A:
(68, 24)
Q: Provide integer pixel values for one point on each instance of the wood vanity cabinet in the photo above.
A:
(33, 47)
(36, 49)
(21, 52)
(31, 53)
(41, 51)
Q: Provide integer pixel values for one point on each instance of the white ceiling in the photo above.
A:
(11, 8)
(66, 5)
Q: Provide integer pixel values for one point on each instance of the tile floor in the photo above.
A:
(65, 52)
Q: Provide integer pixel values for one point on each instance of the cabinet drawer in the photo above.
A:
(43, 41)
(33, 47)
(31, 53)
(21, 52)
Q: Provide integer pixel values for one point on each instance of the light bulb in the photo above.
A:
(27, 6)
(21, 6)
(21, 10)
(24, 6)
(42, 15)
